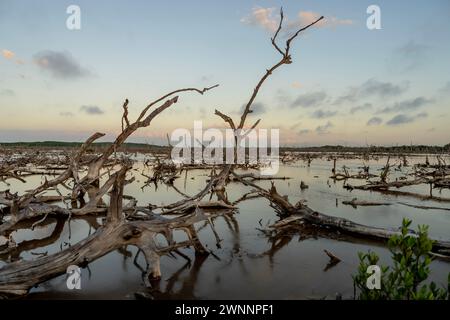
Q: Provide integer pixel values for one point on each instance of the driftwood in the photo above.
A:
(355, 229)
(130, 224)
(300, 211)
(20, 205)
(35, 208)
(364, 174)
(355, 203)
(142, 121)
(399, 193)
(423, 207)
(254, 177)
(393, 184)
(16, 278)
(334, 260)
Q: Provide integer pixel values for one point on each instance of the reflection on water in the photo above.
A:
(247, 264)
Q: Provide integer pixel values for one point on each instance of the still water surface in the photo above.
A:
(244, 267)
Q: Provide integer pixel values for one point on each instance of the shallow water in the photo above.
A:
(244, 267)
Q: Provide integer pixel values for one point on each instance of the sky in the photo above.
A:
(347, 84)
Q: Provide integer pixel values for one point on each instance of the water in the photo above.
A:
(247, 265)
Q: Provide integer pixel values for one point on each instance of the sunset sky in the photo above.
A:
(347, 84)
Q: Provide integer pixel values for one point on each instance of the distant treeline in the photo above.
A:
(375, 149)
(327, 148)
(62, 144)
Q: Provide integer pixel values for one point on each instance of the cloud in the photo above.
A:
(263, 17)
(60, 64)
(257, 108)
(296, 85)
(8, 54)
(407, 105)
(334, 22)
(268, 19)
(402, 119)
(363, 107)
(206, 78)
(66, 114)
(422, 115)
(283, 98)
(202, 112)
(93, 110)
(321, 114)
(308, 100)
(295, 126)
(372, 88)
(7, 93)
(409, 56)
(304, 131)
(374, 121)
(445, 89)
(411, 49)
(324, 128)
(308, 17)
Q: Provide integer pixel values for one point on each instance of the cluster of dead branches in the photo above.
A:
(82, 179)
(93, 177)
(100, 175)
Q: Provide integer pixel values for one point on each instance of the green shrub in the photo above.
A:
(405, 280)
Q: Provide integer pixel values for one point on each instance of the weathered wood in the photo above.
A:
(302, 212)
(333, 258)
(18, 277)
(355, 203)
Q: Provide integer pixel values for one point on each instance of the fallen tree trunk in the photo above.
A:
(351, 228)
(355, 203)
(356, 229)
(394, 184)
(302, 212)
(399, 193)
(36, 209)
(18, 277)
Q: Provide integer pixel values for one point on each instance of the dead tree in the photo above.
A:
(237, 128)
(142, 121)
(18, 277)
(300, 212)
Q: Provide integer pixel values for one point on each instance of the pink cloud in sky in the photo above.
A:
(8, 54)
(268, 19)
